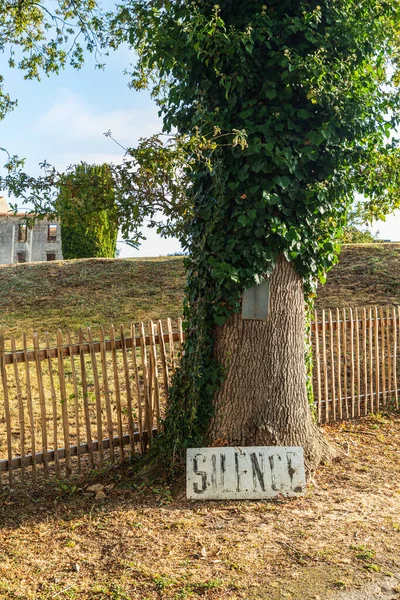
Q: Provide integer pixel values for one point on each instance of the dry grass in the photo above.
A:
(75, 402)
(142, 543)
(77, 293)
(72, 294)
(366, 274)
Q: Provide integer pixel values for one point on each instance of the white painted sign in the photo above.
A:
(248, 473)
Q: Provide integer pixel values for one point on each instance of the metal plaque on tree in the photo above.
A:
(245, 473)
(255, 302)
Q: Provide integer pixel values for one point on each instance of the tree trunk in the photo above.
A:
(263, 399)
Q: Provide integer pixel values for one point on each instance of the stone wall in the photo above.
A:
(37, 246)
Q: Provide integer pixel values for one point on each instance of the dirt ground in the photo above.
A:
(145, 541)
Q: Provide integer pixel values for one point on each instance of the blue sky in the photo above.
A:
(62, 120)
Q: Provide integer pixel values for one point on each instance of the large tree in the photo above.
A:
(315, 87)
(310, 84)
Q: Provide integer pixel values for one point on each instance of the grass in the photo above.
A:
(147, 542)
(367, 274)
(72, 294)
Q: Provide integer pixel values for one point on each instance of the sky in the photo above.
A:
(62, 120)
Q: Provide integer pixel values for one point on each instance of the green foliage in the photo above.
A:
(355, 231)
(40, 38)
(354, 235)
(88, 213)
(308, 83)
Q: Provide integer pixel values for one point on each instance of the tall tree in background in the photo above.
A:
(308, 82)
(88, 212)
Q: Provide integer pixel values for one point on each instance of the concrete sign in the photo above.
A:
(246, 473)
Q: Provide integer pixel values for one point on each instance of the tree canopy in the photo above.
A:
(88, 213)
(43, 38)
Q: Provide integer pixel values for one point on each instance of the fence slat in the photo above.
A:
(153, 360)
(333, 382)
(128, 391)
(64, 402)
(339, 363)
(6, 406)
(20, 409)
(325, 367)
(377, 374)
(99, 420)
(42, 401)
(116, 389)
(29, 404)
(371, 360)
(358, 364)
(395, 319)
(145, 381)
(383, 355)
(53, 404)
(107, 399)
(345, 360)
(76, 402)
(139, 395)
(171, 345)
(352, 366)
(365, 355)
(164, 357)
(389, 356)
(180, 333)
(318, 365)
(86, 412)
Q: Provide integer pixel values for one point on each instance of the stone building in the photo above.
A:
(19, 243)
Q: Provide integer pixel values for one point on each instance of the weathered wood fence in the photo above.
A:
(82, 401)
(78, 403)
(356, 361)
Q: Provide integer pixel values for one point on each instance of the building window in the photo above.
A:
(51, 256)
(21, 257)
(22, 232)
(51, 233)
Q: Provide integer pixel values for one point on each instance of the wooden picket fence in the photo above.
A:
(77, 404)
(356, 361)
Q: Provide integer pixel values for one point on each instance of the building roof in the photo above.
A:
(4, 208)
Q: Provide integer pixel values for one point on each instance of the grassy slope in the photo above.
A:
(366, 274)
(70, 294)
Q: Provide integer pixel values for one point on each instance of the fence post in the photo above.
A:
(6, 410)
(30, 406)
(42, 403)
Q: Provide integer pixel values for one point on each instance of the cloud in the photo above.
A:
(92, 158)
(74, 121)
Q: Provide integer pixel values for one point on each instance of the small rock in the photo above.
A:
(97, 487)
(76, 567)
(100, 495)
